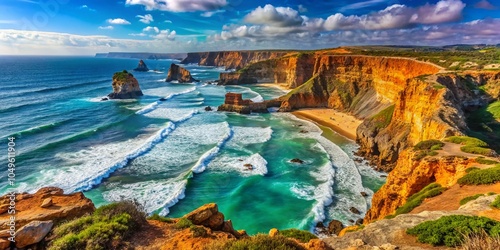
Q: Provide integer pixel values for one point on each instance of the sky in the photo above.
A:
(86, 27)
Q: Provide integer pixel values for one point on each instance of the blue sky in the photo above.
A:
(90, 26)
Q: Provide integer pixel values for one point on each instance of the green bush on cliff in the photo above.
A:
(160, 218)
(415, 200)
(301, 235)
(451, 230)
(470, 198)
(496, 202)
(121, 76)
(468, 170)
(429, 144)
(257, 242)
(482, 160)
(471, 145)
(183, 223)
(384, 117)
(481, 176)
(106, 228)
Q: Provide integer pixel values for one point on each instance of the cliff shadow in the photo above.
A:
(483, 125)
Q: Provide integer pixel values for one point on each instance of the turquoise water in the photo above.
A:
(173, 156)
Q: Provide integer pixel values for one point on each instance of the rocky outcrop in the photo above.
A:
(234, 102)
(231, 59)
(410, 176)
(64, 207)
(180, 74)
(125, 86)
(142, 66)
(32, 233)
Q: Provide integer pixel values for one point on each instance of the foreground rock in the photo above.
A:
(32, 233)
(64, 207)
(209, 216)
(180, 74)
(142, 67)
(125, 86)
(234, 102)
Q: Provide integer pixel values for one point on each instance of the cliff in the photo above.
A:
(125, 86)
(231, 59)
(142, 66)
(180, 74)
(410, 176)
(234, 102)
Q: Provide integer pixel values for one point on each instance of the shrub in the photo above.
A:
(428, 144)
(432, 153)
(476, 150)
(471, 145)
(481, 176)
(482, 160)
(496, 202)
(384, 117)
(301, 235)
(470, 198)
(416, 199)
(257, 242)
(451, 230)
(198, 231)
(480, 241)
(183, 223)
(160, 218)
(468, 170)
(106, 228)
(436, 147)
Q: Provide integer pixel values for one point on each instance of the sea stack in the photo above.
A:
(141, 66)
(125, 86)
(180, 74)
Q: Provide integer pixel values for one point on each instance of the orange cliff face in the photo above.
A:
(231, 59)
(410, 176)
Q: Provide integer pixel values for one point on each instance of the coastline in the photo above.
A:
(281, 86)
(341, 123)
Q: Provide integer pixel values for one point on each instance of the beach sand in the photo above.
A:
(341, 123)
(282, 86)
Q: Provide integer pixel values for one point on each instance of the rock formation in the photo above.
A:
(180, 74)
(231, 59)
(125, 86)
(141, 67)
(410, 176)
(29, 206)
(235, 103)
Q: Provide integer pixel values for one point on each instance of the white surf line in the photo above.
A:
(155, 104)
(208, 156)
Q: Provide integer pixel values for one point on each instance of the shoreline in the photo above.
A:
(344, 124)
(281, 86)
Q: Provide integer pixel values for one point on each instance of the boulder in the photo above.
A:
(4, 244)
(208, 108)
(32, 233)
(180, 74)
(4, 208)
(125, 86)
(335, 226)
(359, 222)
(364, 194)
(141, 66)
(297, 160)
(5, 233)
(69, 206)
(354, 210)
(46, 203)
(215, 221)
(202, 213)
(273, 232)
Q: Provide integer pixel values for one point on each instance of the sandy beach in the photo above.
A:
(341, 123)
(282, 86)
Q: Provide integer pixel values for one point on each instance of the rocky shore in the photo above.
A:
(180, 74)
(125, 86)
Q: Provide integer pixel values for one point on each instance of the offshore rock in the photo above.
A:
(234, 102)
(180, 74)
(125, 86)
(142, 67)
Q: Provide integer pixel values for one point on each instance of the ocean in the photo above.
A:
(173, 156)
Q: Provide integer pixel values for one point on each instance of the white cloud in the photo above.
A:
(149, 29)
(167, 21)
(301, 8)
(276, 16)
(180, 5)
(137, 34)
(165, 35)
(211, 13)
(484, 4)
(106, 27)
(361, 5)
(118, 21)
(147, 19)
(86, 7)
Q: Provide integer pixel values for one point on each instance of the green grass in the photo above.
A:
(471, 145)
(257, 242)
(429, 144)
(160, 218)
(496, 203)
(107, 228)
(481, 176)
(122, 76)
(482, 160)
(451, 230)
(183, 223)
(301, 235)
(470, 198)
(494, 109)
(468, 170)
(384, 117)
(198, 231)
(416, 199)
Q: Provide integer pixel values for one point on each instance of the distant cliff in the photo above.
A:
(231, 59)
(180, 74)
(125, 86)
(141, 55)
